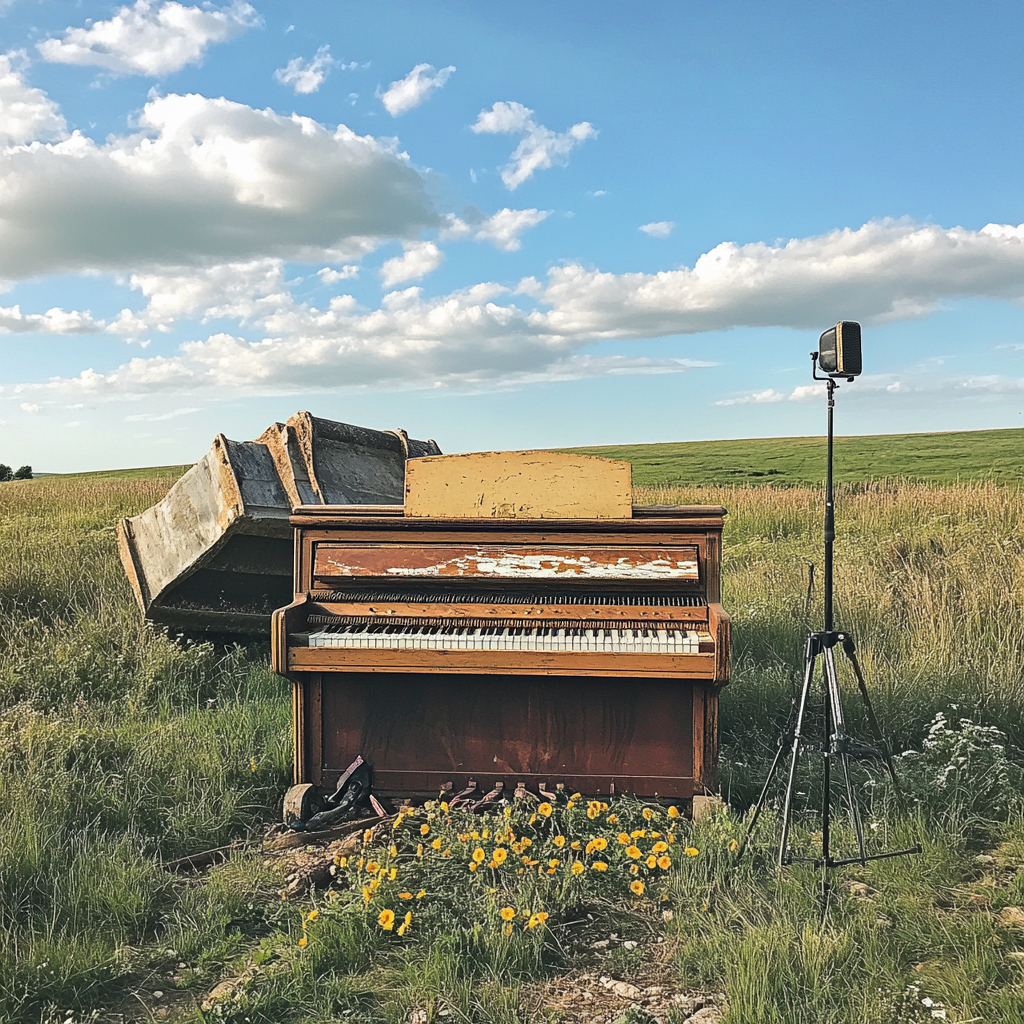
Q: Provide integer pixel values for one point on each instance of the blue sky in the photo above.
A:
(502, 225)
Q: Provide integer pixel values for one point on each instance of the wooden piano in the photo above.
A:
(509, 645)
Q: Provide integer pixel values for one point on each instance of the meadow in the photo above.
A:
(121, 748)
(954, 457)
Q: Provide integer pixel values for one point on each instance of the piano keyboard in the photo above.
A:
(491, 638)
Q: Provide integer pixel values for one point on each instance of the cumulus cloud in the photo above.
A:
(25, 113)
(149, 38)
(418, 260)
(414, 89)
(502, 229)
(755, 397)
(658, 228)
(204, 181)
(485, 335)
(306, 76)
(540, 147)
(328, 276)
(53, 321)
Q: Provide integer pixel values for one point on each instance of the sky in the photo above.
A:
(503, 225)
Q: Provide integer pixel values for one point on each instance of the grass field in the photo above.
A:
(119, 749)
(963, 456)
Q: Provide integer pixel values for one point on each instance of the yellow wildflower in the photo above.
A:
(544, 809)
(599, 843)
(541, 916)
(652, 861)
(447, 853)
(253, 765)
(570, 805)
(367, 895)
(436, 843)
(575, 844)
(648, 814)
(407, 920)
(599, 865)
(444, 806)
(360, 863)
(393, 874)
(559, 841)
(303, 941)
(638, 833)
(577, 867)
(664, 863)
(499, 855)
(673, 812)
(386, 919)
(634, 869)
(633, 852)
(613, 819)
(691, 851)
(372, 867)
(487, 833)
(403, 928)
(506, 929)
(405, 895)
(576, 796)
(526, 841)
(733, 846)
(624, 838)
(479, 856)
(367, 835)
(463, 837)
(312, 915)
(636, 888)
(374, 883)
(475, 835)
(553, 863)
(421, 894)
(419, 849)
(393, 850)
(507, 914)
(659, 848)
(473, 866)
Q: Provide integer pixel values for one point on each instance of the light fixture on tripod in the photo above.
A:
(838, 357)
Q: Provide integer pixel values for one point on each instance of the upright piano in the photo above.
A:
(582, 651)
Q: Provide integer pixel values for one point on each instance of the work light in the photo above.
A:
(839, 350)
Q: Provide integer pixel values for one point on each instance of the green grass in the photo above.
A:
(120, 748)
(996, 455)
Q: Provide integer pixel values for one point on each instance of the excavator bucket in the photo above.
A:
(214, 556)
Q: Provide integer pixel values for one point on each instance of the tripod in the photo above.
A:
(837, 744)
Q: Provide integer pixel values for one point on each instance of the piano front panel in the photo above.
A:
(587, 732)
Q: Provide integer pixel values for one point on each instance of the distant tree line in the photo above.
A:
(6, 473)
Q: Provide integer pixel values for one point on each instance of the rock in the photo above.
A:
(225, 990)
(706, 1015)
(1011, 917)
(418, 1016)
(622, 989)
(984, 859)
(667, 915)
(158, 994)
(654, 990)
(630, 944)
(858, 890)
(601, 944)
(688, 1003)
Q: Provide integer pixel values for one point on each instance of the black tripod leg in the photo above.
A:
(759, 806)
(810, 658)
(844, 758)
(850, 650)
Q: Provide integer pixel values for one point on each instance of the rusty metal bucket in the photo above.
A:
(214, 556)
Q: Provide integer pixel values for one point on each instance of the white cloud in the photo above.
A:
(658, 228)
(539, 148)
(347, 273)
(502, 229)
(150, 39)
(768, 395)
(418, 260)
(29, 407)
(307, 76)
(485, 336)
(53, 321)
(25, 113)
(144, 417)
(206, 180)
(414, 89)
(803, 392)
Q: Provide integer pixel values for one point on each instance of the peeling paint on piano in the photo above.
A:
(507, 562)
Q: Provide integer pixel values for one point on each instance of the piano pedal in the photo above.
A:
(490, 799)
(460, 798)
(546, 793)
(522, 793)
